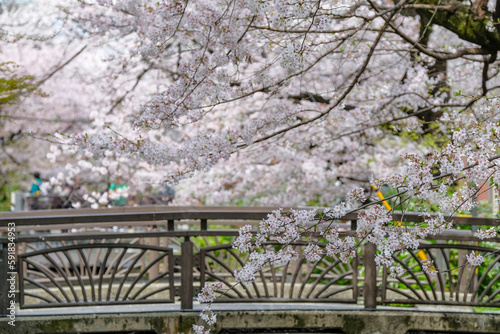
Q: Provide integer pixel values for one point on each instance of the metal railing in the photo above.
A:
(165, 254)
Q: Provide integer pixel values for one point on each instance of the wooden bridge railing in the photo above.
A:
(165, 254)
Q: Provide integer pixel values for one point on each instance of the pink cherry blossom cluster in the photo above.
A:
(207, 294)
(313, 252)
(222, 76)
(200, 329)
(355, 197)
(373, 221)
(434, 224)
(428, 267)
(208, 316)
(293, 56)
(474, 259)
(396, 271)
(486, 233)
(344, 248)
(243, 241)
(198, 154)
(259, 258)
(283, 227)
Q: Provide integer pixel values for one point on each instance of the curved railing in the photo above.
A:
(326, 280)
(457, 283)
(165, 254)
(95, 274)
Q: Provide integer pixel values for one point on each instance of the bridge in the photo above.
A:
(138, 270)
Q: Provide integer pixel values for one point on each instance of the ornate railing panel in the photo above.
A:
(456, 282)
(95, 274)
(156, 254)
(327, 280)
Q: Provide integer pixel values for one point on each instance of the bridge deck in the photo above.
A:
(111, 309)
(256, 318)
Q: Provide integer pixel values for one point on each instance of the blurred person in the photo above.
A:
(118, 192)
(149, 197)
(78, 191)
(167, 194)
(37, 189)
(37, 183)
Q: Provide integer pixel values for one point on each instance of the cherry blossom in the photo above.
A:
(474, 259)
(276, 103)
(200, 330)
(208, 316)
(313, 252)
(207, 294)
(486, 233)
(428, 267)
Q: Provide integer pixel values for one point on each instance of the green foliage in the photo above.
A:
(401, 305)
(486, 309)
(208, 241)
(6, 188)
(413, 205)
(12, 86)
(433, 137)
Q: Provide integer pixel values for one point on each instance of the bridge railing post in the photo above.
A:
(370, 288)
(154, 241)
(187, 262)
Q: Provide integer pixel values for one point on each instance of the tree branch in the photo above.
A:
(60, 67)
(137, 80)
(446, 8)
(438, 55)
(468, 27)
(341, 98)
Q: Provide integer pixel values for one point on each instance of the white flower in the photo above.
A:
(292, 56)
(486, 234)
(474, 259)
(428, 267)
(396, 270)
(200, 330)
(208, 316)
(490, 27)
(207, 294)
(313, 252)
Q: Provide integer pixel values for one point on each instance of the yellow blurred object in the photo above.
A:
(387, 206)
(421, 253)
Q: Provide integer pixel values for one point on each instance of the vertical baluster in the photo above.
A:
(153, 255)
(370, 289)
(171, 225)
(355, 266)
(187, 274)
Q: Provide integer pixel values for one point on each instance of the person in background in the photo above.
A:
(118, 192)
(35, 187)
(76, 198)
(35, 191)
(149, 197)
(167, 194)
